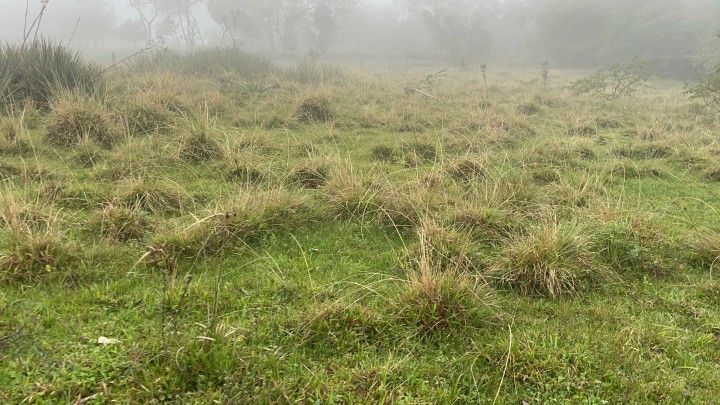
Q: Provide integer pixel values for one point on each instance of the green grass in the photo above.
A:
(338, 240)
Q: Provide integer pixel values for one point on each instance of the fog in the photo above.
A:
(675, 36)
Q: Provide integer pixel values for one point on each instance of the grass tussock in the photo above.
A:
(74, 117)
(153, 196)
(36, 247)
(551, 259)
(241, 222)
(122, 224)
(439, 294)
(199, 143)
(40, 69)
(705, 246)
(314, 110)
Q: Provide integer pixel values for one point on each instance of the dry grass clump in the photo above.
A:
(467, 169)
(529, 108)
(314, 109)
(550, 259)
(384, 153)
(414, 154)
(120, 223)
(446, 247)
(36, 247)
(713, 174)
(135, 158)
(629, 169)
(310, 176)
(241, 222)
(198, 144)
(348, 195)
(87, 153)
(14, 137)
(148, 113)
(153, 195)
(705, 246)
(74, 117)
(439, 294)
(487, 224)
(245, 172)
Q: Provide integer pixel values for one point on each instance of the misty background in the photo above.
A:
(678, 38)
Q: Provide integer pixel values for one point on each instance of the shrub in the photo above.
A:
(314, 109)
(615, 81)
(550, 260)
(74, 117)
(36, 71)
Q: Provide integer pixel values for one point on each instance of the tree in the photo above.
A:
(459, 27)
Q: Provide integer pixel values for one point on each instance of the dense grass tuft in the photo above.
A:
(38, 70)
(551, 260)
(314, 109)
(75, 117)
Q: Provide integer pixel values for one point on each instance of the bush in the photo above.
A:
(38, 70)
(314, 109)
(74, 118)
(615, 81)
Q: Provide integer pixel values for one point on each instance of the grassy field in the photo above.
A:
(199, 232)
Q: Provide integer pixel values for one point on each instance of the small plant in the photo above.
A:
(74, 118)
(337, 326)
(550, 260)
(314, 109)
(616, 81)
